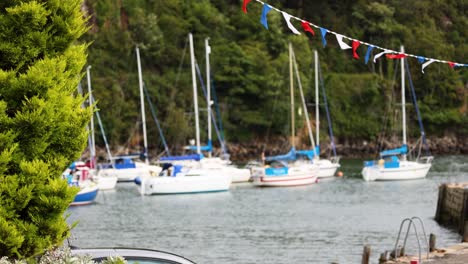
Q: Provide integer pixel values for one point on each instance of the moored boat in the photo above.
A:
(125, 169)
(281, 173)
(181, 180)
(287, 169)
(78, 176)
(87, 194)
(394, 164)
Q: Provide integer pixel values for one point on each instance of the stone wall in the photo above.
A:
(452, 207)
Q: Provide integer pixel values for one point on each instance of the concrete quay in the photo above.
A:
(457, 254)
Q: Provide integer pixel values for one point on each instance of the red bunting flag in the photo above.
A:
(244, 6)
(307, 28)
(396, 56)
(390, 54)
(355, 46)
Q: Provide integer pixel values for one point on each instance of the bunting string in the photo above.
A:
(306, 26)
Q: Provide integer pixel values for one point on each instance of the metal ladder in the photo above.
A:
(411, 222)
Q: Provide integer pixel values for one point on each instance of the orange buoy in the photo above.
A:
(339, 174)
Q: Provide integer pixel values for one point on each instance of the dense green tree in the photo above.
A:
(249, 63)
(42, 124)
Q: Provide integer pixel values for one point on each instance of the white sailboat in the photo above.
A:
(279, 172)
(327, 167)
(125, 168)
(393, 163)
(210, 162)
(237, 174)
(177, 177)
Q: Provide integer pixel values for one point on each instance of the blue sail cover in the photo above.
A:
(310, 153)
(391, 152)
(208, 147)
(196, 157)
(291, 155)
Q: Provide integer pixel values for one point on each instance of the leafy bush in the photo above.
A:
(63, 256)
(42, 124)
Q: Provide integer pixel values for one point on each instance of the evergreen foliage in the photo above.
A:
(250, 64)
(42, 124)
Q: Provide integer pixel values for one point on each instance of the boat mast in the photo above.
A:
(92, 147)
(195, 98)
(304, 105)
(403, 101)
(208, 90)
(292, 94)
(317, 120)
(142, 103)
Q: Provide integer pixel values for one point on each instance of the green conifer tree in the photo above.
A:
(42, 124)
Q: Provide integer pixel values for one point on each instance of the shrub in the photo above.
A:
(42, 124)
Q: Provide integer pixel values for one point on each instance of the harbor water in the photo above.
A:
(329, 222)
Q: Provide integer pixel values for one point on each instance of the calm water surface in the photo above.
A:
(322, 223)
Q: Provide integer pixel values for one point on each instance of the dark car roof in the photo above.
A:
(130, 254)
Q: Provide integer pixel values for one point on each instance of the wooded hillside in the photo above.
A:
(250, 66)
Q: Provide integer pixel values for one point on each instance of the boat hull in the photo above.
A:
(408, 170)
(106, 182)
(86, 195)
(295, 176)
(326, 168)
(185, 184)
(129, 175)
(238, 175)
(278, 181)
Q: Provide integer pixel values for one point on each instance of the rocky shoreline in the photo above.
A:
(243, 152)
(247, 151)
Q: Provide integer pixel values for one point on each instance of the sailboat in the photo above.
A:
(177, 177)
(286, 170)
(327, 167)
(77, 175)
(393, 164)
(124, 167)
(104, 182)
(238, 175)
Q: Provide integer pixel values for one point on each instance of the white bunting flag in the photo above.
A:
(287, 17)
(380, 54)
(343, 45)
(426, 64)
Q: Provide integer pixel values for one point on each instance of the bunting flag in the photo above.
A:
(380, 54)
(307, 28)
(244, 6)
(343, 45)
(426, 64)
(287, 17)
(324, 32)
(368, 53)
(390, 54)
(396, 56)
(355, 46)
(263, 19)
